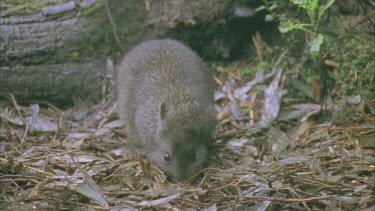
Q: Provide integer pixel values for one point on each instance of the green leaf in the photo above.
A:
(288, 25)
(245, 71)
(310, 9)
(301, 3)
(325, 7)
(310, 6)
(269, 18)
(273, 6)
(315, 44)
(258, 9)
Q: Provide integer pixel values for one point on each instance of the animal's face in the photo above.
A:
(181, 141)
(180, 153)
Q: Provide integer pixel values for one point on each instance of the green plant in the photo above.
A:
(314, 12)
(271, 7)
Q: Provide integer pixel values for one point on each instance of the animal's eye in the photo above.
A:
(167, 157)
(192, 154)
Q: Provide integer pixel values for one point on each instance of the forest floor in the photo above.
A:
(309, 158)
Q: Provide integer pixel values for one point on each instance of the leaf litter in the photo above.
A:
(269, 154)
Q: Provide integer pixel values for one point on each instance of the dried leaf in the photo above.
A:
(158, 202)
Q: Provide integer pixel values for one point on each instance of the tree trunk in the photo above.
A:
(53, 51)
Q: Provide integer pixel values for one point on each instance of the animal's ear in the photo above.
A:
(162, 114)
(163, 111)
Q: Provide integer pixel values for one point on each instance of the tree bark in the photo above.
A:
(53, 51)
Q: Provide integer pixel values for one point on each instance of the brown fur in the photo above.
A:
(165, 98)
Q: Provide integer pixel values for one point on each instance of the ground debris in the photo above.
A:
(299, 161)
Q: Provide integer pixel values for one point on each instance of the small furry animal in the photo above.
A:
(165, 99)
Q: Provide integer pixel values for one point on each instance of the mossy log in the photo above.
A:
(53, 50)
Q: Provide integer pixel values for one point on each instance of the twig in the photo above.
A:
(2, 160)
(231, 133)
(113, 26)
(46, 156)
(288, 200)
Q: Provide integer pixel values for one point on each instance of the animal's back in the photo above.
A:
(159, 71)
